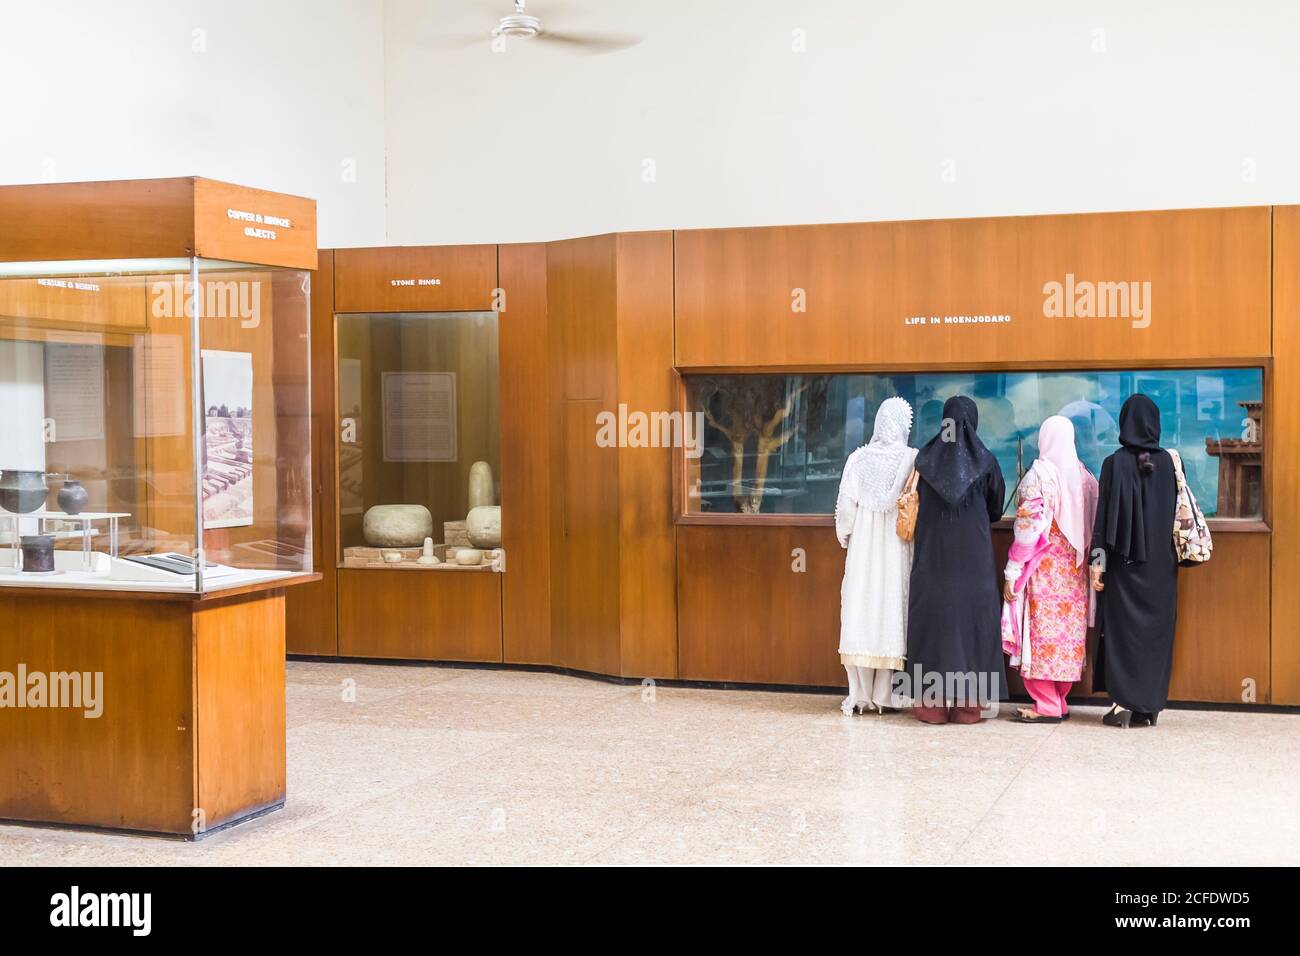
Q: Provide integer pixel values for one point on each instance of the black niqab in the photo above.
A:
(955, 458)
(1139, 423)
(1123, 501)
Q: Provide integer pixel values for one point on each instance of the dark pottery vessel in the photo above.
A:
(22, 491)
(72, 497)
(38, 552)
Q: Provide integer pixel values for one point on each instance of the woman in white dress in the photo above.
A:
(873, 596)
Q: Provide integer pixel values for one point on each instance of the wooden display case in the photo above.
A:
(476, 313)
(142, 661)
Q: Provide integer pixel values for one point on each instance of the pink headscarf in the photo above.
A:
(1058, 465)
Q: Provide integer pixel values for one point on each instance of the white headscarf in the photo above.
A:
(885, 462)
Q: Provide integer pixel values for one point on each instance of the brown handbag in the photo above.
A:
(908, 501)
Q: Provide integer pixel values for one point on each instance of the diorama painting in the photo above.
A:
(776, 443)
(228, 439)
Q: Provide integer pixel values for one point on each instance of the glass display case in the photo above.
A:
(777, 444)
(419, 449)
(154, 424)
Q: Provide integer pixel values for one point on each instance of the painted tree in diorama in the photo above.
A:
(758, 407)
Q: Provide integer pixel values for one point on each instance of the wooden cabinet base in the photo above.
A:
(420, 615)
(161, 716)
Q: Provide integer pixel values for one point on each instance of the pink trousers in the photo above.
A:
(1049, 696)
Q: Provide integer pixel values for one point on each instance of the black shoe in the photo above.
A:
(1142, 718)
(1118, 717)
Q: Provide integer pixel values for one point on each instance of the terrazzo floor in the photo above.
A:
(437, 765)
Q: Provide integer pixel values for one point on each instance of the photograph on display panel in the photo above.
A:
(228, 439)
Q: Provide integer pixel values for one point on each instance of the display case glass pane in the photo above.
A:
(255, 402)
(419, 450)
(100, 447)
(776, 444)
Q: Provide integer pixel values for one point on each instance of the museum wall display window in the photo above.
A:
(155, 433)
(777, 443)
(420, 436)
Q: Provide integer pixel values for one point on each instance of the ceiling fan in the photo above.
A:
(522, 25)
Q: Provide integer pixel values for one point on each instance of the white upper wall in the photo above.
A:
(279, 95)
(896, 110)
(905, 109)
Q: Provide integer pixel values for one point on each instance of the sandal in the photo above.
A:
(1023, 715)
(1117, 716)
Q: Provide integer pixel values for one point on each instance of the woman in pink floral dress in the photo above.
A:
(1048, 602)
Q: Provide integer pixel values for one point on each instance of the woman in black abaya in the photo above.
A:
(1139, 579)
(954, 643)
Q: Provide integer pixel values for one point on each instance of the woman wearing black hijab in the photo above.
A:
(1139, 578)
(954, 644)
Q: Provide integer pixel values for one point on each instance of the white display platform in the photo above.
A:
(119, 574)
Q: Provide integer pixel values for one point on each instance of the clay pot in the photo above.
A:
(38, 552)
(22, 491)
(72, 497)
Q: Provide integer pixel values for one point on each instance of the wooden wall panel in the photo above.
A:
(582, 295)
(420, 615)
(582, 298)
(372, 280)
(240, 706)
(525, 456)
(602, 319)
(1283, 461)
(647, 384)
(745, 615)
(1209, 273)
(312, 609)
(1221, 648)
(735, 289)
(585, 572)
